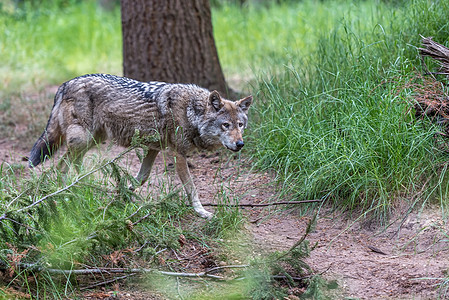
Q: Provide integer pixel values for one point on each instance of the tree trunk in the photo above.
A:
(171, 41)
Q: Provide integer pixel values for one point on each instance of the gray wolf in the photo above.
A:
(181, 117)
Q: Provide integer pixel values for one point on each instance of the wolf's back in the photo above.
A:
(50, 140)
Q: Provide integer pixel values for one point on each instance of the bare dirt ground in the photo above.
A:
(405, 260)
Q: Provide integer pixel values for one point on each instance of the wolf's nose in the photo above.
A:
(239, 144)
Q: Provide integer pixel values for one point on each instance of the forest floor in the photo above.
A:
(406, 259)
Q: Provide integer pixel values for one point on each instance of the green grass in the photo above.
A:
(340, 125)
(261, 36)
(48, 44)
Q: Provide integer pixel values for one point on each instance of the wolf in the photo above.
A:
(180, 117)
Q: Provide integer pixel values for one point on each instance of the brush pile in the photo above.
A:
(432, 97)
(437, 52)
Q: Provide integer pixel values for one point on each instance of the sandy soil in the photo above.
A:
(404, 260)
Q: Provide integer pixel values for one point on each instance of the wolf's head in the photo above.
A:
(227, 120)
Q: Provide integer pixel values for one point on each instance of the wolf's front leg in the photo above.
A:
(145, 168)
(186, 179)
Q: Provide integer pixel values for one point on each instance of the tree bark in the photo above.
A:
(171, 41)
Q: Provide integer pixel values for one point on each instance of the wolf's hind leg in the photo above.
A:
(79, 140)
(145, 168)
(184, 174)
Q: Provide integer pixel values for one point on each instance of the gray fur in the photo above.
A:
(92, 108)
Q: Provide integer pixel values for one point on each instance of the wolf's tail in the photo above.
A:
(44, 147)
(50, 140)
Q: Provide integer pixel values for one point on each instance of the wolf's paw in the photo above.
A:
(205, 214)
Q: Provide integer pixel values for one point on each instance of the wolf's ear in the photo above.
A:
(245, 103)
(215, 100)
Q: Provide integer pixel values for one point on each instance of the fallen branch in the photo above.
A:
(134, 271)
(5, 215)
(38, 268)
(264, 204)
(128, 271)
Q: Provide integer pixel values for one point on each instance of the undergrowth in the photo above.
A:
(53, 225)
(71, 221)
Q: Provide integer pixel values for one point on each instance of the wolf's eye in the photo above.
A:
(225, 125)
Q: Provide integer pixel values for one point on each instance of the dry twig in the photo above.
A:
(264, 204)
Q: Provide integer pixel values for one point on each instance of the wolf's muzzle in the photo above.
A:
(239, 145)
